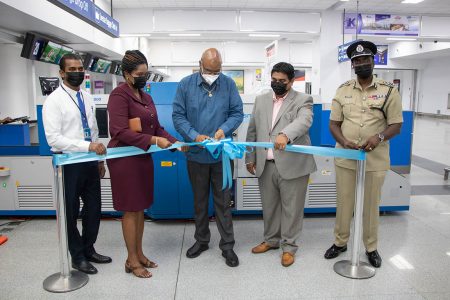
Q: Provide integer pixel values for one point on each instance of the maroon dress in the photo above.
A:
(132, 177)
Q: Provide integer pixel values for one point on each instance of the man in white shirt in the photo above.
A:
(70, 126)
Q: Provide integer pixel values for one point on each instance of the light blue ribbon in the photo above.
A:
(230, 150)
(236, 150)
(80, 157)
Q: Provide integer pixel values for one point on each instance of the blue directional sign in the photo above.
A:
(91, 13)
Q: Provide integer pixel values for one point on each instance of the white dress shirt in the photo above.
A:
(62, 120)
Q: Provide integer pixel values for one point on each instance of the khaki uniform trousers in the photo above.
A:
(345, 186)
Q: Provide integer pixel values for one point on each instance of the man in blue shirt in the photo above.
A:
(207, 105)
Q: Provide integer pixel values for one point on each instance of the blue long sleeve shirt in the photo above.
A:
(194, 112)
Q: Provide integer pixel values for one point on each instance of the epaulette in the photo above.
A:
(386, 83)
(347, 83)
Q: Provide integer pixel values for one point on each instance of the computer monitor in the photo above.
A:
(51, 53)
(33, 46)
(101, 66)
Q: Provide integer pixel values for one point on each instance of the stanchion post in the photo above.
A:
(354, 268)
(66, 280)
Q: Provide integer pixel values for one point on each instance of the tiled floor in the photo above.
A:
(415, 246)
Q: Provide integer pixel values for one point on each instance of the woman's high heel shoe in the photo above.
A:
(149, 264)
(142, 274)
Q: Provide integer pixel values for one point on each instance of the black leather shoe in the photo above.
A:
(231, 258)
(334, 251)
(85, 267)
(99, 259)
(196, 250)
(374, 258)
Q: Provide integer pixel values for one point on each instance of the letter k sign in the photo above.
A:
(351, 23)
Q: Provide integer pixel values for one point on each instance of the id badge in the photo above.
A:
(87, 134)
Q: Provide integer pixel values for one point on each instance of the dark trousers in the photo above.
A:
(82, 180)
(202, 177)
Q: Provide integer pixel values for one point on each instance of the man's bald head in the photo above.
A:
(211, 61)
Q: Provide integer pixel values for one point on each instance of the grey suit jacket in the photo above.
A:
(294, 119)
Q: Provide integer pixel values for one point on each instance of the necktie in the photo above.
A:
(84, 121)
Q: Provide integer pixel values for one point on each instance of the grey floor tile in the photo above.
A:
(436, 296)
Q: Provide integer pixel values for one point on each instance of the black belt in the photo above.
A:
(271, 160)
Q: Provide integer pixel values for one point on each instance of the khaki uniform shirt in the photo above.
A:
(361, 117)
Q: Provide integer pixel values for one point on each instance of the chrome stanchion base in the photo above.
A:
(361, 271)
(57, 283)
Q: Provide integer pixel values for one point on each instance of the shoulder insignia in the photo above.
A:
(347, 83)
(386, 83)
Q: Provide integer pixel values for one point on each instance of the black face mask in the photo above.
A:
(279, 88)
(74, 78)
(139, 82)
(364, 71)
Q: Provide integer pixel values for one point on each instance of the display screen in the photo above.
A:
(50, 53)
(37, 48)
(33, 46)
(48, 84)
(101, 66)
(92, 63)
(62, 52)
(118, 70)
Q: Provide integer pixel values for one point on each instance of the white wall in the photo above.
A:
(328, 73)
(251, 85)
(435, 86)
(13, 82)
(178, 59)
(16, 82)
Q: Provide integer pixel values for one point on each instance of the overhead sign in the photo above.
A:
(91, 13)
(381, 24)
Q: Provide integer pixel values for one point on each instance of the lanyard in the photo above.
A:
(73, 100)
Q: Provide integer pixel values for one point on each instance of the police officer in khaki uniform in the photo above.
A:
(365, 114)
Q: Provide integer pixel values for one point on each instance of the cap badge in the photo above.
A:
(360, 48)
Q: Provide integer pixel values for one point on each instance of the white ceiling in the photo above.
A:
(441, 7)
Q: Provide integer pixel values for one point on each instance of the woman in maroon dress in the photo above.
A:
(132, 177)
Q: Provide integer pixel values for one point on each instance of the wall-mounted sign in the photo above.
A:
(271, 50)
(382, 24)
(342, 51)
(91, 13)
(380, 58)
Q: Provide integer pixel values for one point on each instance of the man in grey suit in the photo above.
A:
(283, 117)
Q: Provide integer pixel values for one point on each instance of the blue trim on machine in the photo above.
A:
(19, 150)
(322, 210)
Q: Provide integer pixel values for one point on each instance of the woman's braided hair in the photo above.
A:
(131, 60)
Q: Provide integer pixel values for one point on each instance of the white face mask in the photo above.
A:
(210, 78)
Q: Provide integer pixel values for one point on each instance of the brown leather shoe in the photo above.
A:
(287, 259)
(263, 247)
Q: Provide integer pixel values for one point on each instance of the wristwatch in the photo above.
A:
(381, 137)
